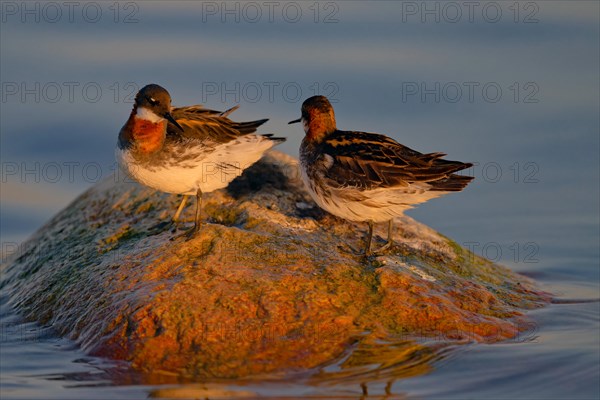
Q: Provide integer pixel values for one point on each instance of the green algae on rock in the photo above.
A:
(270, 284)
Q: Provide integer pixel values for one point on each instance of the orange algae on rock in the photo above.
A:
(270, 284)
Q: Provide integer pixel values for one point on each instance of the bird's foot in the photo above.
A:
(385, 246)
(370, 252)
(193, 232)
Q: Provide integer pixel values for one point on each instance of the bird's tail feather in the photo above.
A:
(453, 183)
(276, 139)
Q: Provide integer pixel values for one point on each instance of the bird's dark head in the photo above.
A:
(153, 103)
(317, 118)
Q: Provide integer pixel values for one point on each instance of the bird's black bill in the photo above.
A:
(295, 121)
(170, 118)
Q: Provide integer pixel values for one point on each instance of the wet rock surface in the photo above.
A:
(270, 284)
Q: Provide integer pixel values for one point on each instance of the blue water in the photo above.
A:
(515, 92)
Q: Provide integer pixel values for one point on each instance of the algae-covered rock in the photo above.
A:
(271, 283)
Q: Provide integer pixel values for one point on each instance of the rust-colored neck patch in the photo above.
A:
(320, 124)
(144, 135)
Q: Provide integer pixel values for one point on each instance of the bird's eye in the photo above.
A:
(152, 101)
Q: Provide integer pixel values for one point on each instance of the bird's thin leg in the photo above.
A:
(180, 209)
(198, 221)
(390, 239)
(388, 388)
(369, 239)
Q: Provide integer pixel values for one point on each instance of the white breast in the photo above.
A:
(207, 170)
(376, 205)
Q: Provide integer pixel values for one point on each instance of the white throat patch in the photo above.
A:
(144, 113)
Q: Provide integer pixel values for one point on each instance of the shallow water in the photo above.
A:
(533, 206)
(557, 358)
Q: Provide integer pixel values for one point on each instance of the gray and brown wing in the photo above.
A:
(368, 161)
(202, 124)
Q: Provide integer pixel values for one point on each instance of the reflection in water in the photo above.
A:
(370, 366)
(37, 364)
(373, 360)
